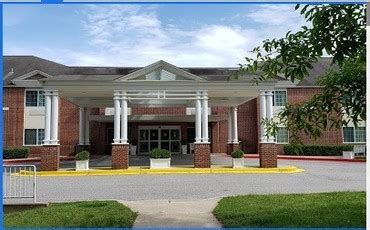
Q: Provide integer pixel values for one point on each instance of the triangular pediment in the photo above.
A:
(160, 71)
(32, 76)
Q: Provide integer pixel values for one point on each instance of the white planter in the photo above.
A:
(82, 165)
(348, 155)
(160, 163)
(238, 162)
(184, 149)
(133, 149)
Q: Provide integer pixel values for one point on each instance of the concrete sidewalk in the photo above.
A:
(174, 213)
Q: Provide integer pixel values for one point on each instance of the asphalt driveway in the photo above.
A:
(318, 177)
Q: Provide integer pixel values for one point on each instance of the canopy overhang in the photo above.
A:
(100, 93)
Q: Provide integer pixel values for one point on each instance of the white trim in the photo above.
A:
(37, 138)
(354, 135)
(5, 108)
(38, 97)
(31, 74)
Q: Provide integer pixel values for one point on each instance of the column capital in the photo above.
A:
(266, 92)
(48, 92)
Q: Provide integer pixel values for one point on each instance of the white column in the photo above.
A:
(198, 119)
(55, 117)
(205, 117)
(116, 120)
(262, 115)
(235, 125)
(124, 121)
(230, 126)
(81, 135)
(47, 117)
(87, 126)
(269, 110)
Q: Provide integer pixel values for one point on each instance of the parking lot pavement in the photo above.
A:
(318, 177)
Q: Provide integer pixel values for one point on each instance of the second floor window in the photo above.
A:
(280, 98)
(35, 98)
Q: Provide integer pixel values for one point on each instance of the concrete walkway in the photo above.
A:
(174, 213)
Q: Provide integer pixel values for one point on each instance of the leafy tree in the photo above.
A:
(338, 31)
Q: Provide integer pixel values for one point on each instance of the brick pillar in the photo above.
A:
(202, 155)
(120, 156)
(50, 158)
(268, 155)
(80, 148)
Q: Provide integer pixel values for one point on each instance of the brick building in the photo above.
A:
(56, 110)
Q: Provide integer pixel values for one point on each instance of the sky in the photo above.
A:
(190, 35)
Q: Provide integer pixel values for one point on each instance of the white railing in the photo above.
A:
(19, 182)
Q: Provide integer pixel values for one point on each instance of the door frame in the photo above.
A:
(159, 128)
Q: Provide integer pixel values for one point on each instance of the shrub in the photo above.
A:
(160, 153)
(13, 153)
(237, 153)
(82, 156)
(316, 150)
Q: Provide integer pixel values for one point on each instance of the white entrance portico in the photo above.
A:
(157, 85)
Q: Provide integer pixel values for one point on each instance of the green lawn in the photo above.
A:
(76, 214)
(339, 209)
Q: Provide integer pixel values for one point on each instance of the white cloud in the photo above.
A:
(134, 35)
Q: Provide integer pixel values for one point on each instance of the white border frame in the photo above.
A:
(354, 135)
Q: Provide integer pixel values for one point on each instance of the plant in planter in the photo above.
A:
(348, 152)
(184, 146)
(82, 160)
(160, 158)
(238, 158)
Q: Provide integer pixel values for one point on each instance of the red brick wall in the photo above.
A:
(14, 123)
(68, 127)
(331, 136)
(247, 126)
(13, 98)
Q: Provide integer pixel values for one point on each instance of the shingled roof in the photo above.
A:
(20, 65)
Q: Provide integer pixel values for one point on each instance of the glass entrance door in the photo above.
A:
(165, 137)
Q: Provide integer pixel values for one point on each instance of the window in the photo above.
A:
(352, 134)
(35, 98)
(34, 136)
(282, 135)
(280, 98)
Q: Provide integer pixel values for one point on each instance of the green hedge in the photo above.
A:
(316, 150)
(160, 153)
(12, 153)
(82, 156)
(237, 154)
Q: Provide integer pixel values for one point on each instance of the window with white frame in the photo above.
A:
(34, 136)
(280, 98)
(354, 135)
(35, 98)
(282, 135)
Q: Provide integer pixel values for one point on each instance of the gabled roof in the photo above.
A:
(17, 66)
(21, 65)
(162, 65)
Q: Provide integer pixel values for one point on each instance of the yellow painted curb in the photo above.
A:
(173, 170)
